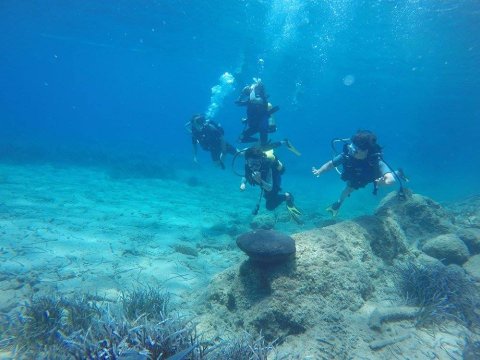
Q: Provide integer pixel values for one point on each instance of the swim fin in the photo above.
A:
(292, 148)
(295, 214)
(273, 110)
(334, 208)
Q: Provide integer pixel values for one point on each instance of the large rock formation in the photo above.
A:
(322, 300)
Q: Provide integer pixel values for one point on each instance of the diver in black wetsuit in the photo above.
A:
(262, 168)
(210, 136)
(362, 164)
(259, 112)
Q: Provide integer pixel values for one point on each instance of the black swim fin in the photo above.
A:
(273, 110)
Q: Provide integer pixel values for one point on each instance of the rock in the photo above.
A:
(379, 344)
(332, 277)
(419, 217)
(471, 238)
(386, 237)
(467, 212)
(267, 246)
(472, 267)
(426, 260)
(263, 221)
(322, 301)
(381, 315)
(448, 248)
(185, 250)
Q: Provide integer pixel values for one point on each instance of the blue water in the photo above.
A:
(85, 82)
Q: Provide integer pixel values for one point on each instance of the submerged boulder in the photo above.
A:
(471, 238)
(267, 246)
(419, 217)
(472, 267)
(448, 248)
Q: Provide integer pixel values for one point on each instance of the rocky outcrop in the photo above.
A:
(327, 294)
(332, 274)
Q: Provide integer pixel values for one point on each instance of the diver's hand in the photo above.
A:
(242, 186)
(195, 160)
(316, 171)
(257, 176)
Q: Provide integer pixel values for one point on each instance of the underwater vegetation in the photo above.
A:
(139, 327)
(441, 292)
(148, 302)
(472, 349)
(241, 348)
(36, 327)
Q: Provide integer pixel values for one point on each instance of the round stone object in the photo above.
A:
(267, 246)
(448, 248)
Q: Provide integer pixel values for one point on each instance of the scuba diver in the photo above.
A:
(264, 169)
(210, 136)
(362, 163)
(259, 113)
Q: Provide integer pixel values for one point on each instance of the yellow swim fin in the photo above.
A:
(292, 148)
(334, 208)
(295, 214)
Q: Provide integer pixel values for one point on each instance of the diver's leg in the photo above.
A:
(335, 207)
(263, 138)
(273, 199)
(263, 130)
(216, 157)
(246, 135)
(229, 149)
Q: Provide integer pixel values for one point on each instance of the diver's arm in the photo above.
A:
(194, 148)
(243, 99)
(188, 126)
(322, 169)
(243, 183)
(385, 180)
(223, 144)
(242, 102)
(266, 184)
(388, 177)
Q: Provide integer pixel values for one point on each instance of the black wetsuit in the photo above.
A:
(358, 173)
(210, 139)
(271, 172)
(257, 118)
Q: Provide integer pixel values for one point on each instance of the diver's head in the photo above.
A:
(254, 158)
(364, 142)
(198, 121)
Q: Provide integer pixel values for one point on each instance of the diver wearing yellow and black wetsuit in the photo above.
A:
(264, 169)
